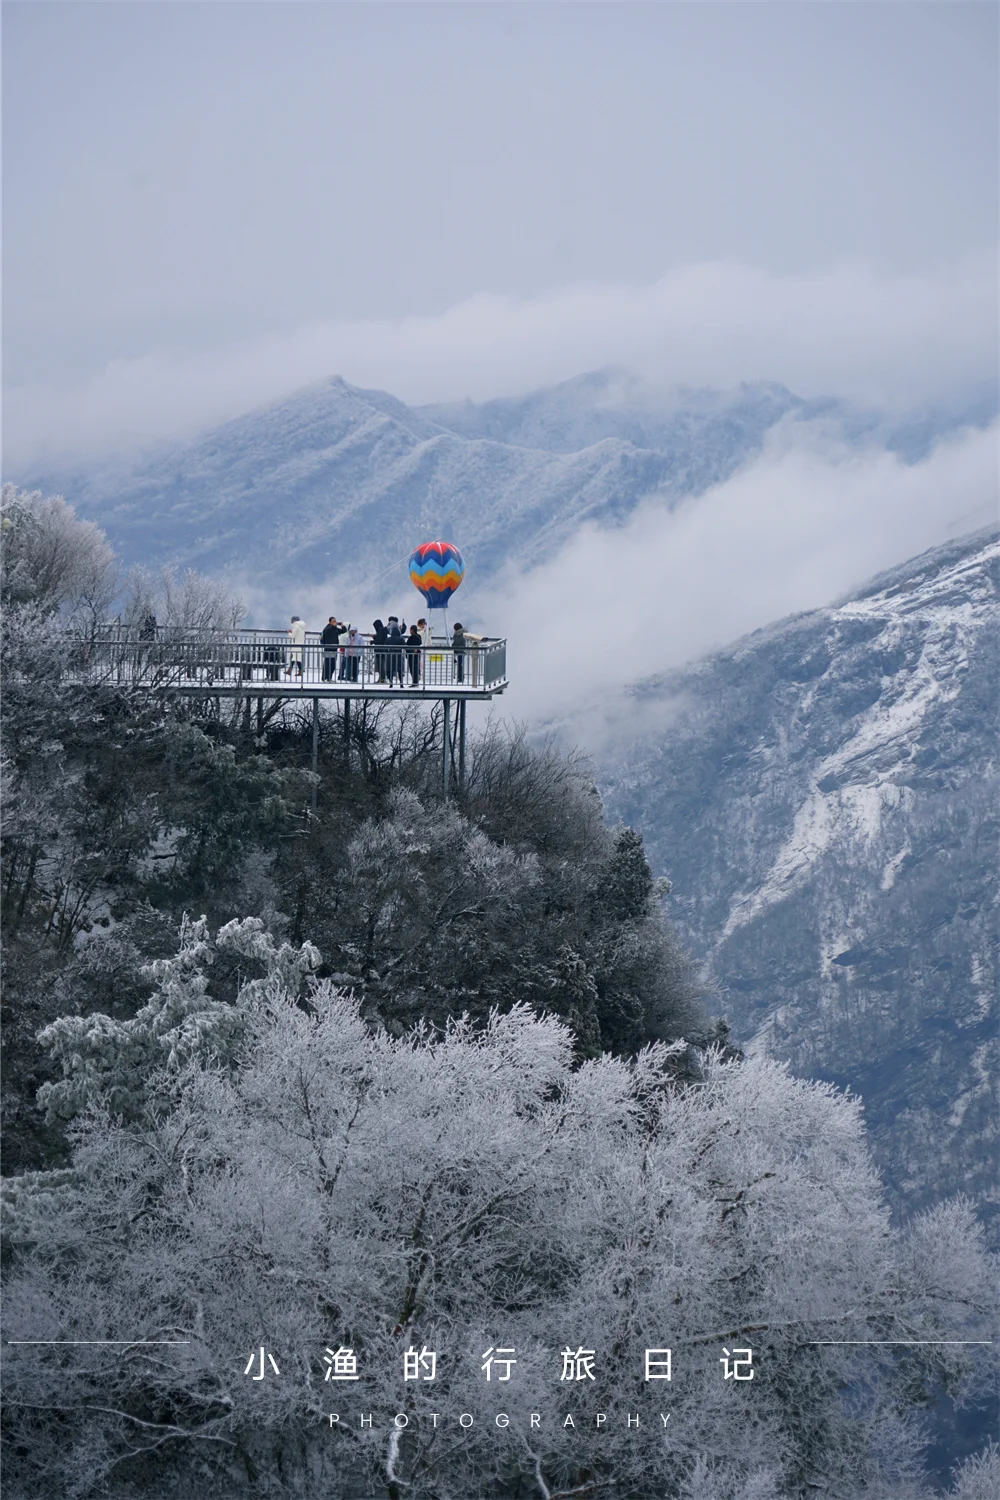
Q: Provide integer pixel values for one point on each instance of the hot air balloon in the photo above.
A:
(436, 569)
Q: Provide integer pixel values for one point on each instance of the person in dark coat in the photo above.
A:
(413, 645)
(379, 637)
(395, 638)
(458, 646)
(147, 634)
(330, 641)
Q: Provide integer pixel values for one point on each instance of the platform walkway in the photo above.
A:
(264, 664)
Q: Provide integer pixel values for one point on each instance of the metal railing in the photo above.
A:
(178, 658)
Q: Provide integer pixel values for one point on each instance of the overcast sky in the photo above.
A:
(204, 188)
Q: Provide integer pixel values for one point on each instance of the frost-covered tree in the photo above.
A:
(186, 601)
(122, 1064)
(52, 560)
(118, 810)
(978, 1478)
(287, 1178)
(434, 909)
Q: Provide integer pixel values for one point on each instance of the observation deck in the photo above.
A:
(266, 664)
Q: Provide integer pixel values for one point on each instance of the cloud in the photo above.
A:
(851, 330)
(807, 521)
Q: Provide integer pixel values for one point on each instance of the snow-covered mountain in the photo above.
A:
(336, 479)
(337, 476)
(824, 801)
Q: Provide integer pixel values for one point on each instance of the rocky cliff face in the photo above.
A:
(824, 800)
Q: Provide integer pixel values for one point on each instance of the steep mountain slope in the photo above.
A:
(337, 479)
(824, 801)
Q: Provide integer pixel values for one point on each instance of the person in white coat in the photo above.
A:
(297, 632)
(351, 655)
(426, 634)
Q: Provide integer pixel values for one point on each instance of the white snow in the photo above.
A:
(893, 867)
(856, 811)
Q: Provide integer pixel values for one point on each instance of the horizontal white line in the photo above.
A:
(179, 1343)
(892, 1343)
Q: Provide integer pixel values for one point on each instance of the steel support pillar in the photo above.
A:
(315, 751)
(461, 745)
(446, 747)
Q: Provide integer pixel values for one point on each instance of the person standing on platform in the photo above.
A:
(351, 655)
(298, 635)
(330, 641)
(394, 636)
(147, 634)
(379, 637)
(458, 646)
(413, 644)
(426, 639)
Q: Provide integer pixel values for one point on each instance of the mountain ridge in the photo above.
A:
(336, 478)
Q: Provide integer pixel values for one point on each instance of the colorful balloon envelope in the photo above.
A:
(436, 569)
